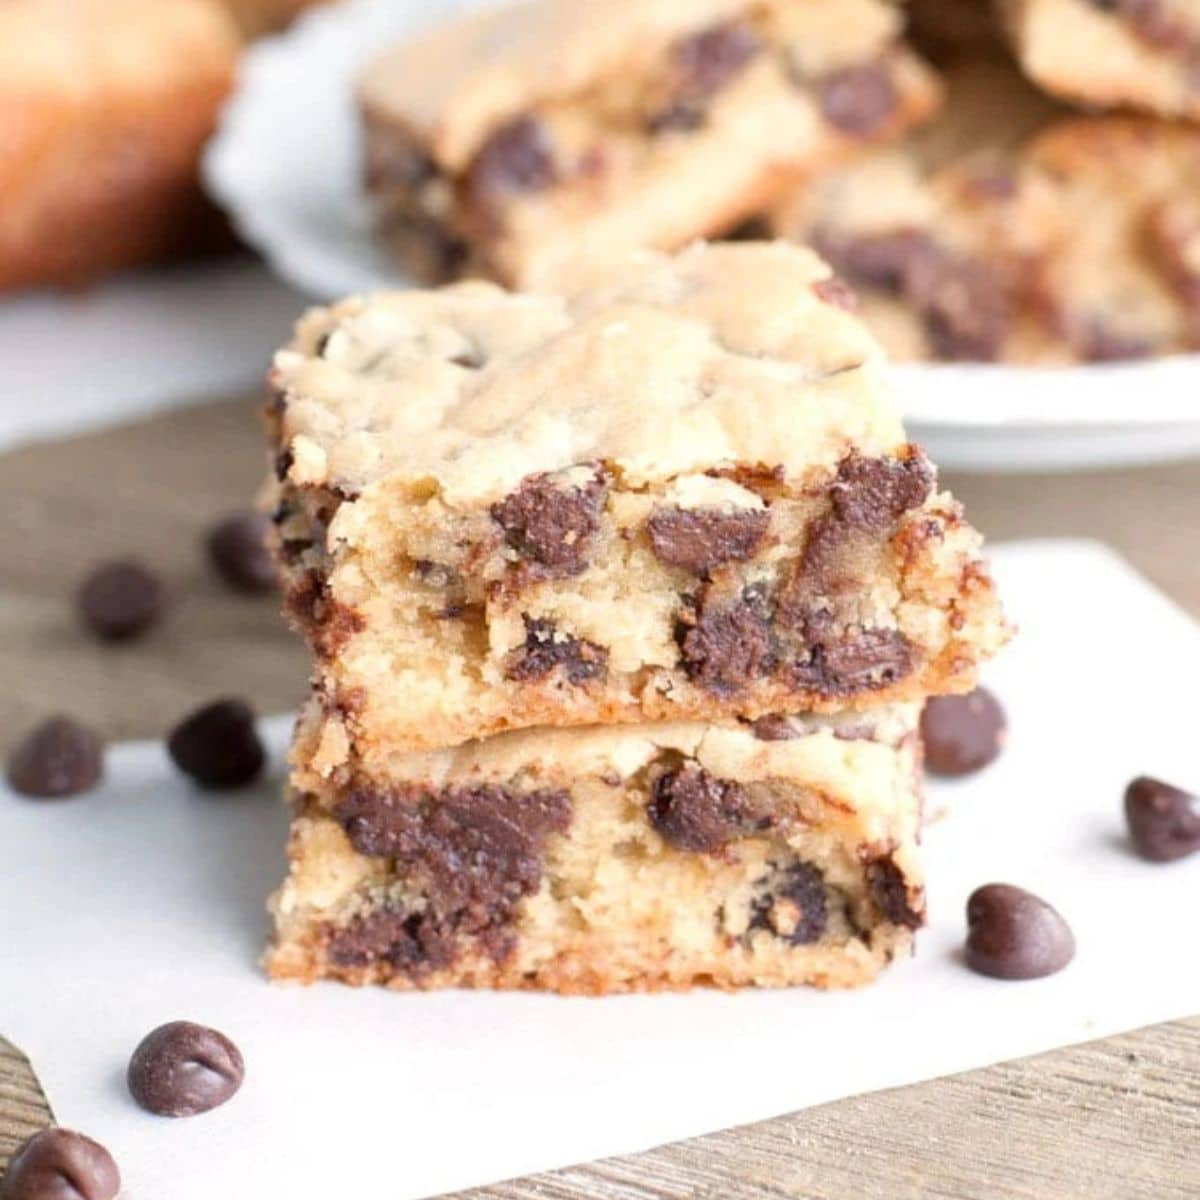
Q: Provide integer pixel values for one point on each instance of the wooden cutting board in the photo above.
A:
(1117, 1119)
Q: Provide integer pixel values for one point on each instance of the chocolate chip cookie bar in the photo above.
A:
(612, 859)
(518, 140)
(1011, 231)
(683, 493)
(1142, 54)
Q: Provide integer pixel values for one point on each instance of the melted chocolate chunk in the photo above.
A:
(726, 644)
(704, 63)
(859, 100)
(890, 893)
(550, 524)
(872, 494)
(753, 229)
(518, 157)
(867, 661)
(693, 810)
(546, 649)
(775, 727)
(700, 539)
(471, 852)
(791, 904)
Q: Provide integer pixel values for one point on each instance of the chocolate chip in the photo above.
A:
(962, 734)
(517, 157)
(550, 523)
(775, 727)
(693, 810)
(866, 661)
(837, 292)
(966, 307)
(791, 904)
(472, 852)
(284, 461)
(547, 648)
(700, 539)
(858, 100)
(218, 745)
(711, 58)
(1013, 934)
(880, 261)
(725, 644)
(1164, 821)
(889, 890)
(121, 600)
(182, 1069)
(59, 1164)
(872, 494)
(237, 547)
(58, 758)
(1100, 342)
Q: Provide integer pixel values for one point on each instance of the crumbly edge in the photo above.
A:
(945, 603)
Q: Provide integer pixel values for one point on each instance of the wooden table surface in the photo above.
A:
(1115, 1119)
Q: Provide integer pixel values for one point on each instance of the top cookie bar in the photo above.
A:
(518, 140)
(682, 493)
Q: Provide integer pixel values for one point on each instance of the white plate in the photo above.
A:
(286, 164)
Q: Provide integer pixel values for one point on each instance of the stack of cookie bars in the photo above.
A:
(623, 602)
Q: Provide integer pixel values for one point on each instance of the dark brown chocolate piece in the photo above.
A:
(550, 524)
(859, 100)
(327, 622)
(547, 649)
(1164, 821)
(182, 1069)
(725, 643)
(237, 547)
(700, 539)
(59, 1164)
(472, 853)
(1013, 934)
(872, 494)
(889, 890)
(693, 810)
(1102, 342)
(517, 157)
(704, 63)
(58, 758)
(962, 734)
(879, 261)
(861, 662)
(121, 600)
(218, 745)
(966, 306)
(791, 904)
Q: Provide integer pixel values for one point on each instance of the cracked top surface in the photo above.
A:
(456, 81)
(661, 367)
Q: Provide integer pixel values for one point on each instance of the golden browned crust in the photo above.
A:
(106, 109)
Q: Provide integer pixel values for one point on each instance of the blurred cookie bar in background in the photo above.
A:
(519, 141)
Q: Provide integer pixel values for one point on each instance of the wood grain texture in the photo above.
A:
(1112, 1120)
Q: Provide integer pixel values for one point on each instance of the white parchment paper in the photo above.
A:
(143, 903)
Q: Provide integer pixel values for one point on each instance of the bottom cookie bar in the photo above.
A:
(612, 859)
